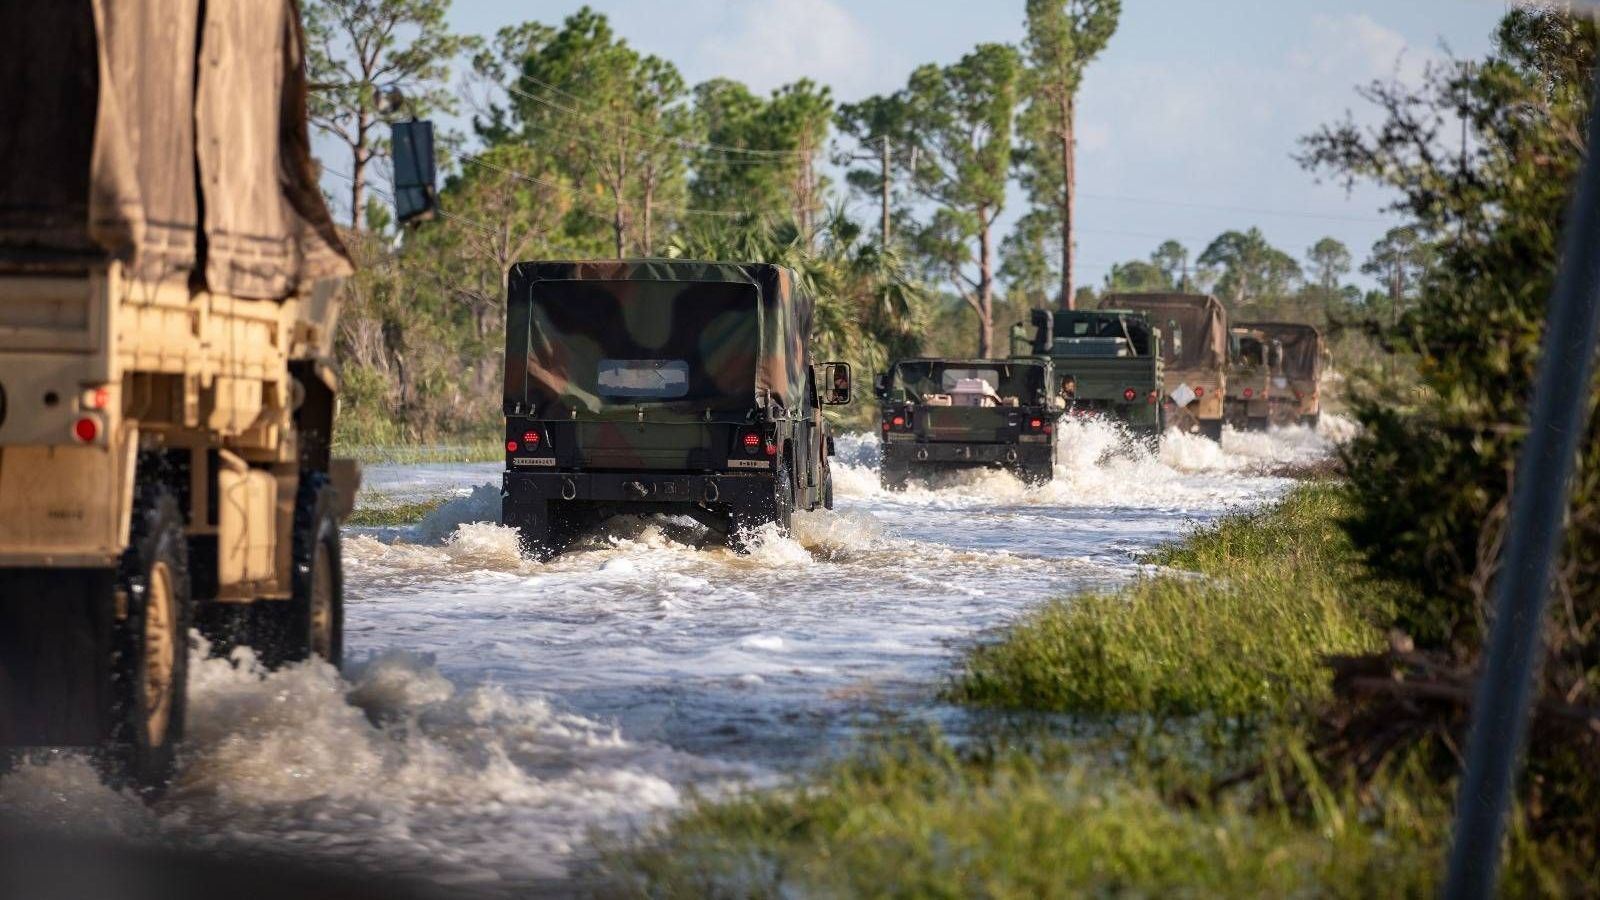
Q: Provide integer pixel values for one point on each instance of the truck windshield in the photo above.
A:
(1004, 383)
(594, 345)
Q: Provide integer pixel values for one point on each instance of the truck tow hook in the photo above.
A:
(569, 489)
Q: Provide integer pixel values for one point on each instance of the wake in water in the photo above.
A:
(390, 766)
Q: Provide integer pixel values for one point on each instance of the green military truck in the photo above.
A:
(662, 386)
(1254, 361)
(1194, 354)
(963, 413)
(1107, 363)
(1297, 379)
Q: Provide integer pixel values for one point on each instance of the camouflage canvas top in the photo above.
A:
(679, 338)
(1195, 326)
(1302, 347)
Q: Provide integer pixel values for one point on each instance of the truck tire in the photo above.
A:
(150, 670)
(827, 488)
(1037, 475)
(545, 528)
(1311, 421)
(894, 477)
(311, 622)
(779, 509)
(1212, 429)
(1256, 423)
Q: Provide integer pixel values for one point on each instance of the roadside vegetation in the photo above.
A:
(369, 515)
(1186, 756)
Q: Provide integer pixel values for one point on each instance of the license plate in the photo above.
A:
(533, 460)
(749, 463)
(1032, 438)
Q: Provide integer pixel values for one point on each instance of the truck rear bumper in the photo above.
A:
(639, 487)
(955, 453)
(55, 657)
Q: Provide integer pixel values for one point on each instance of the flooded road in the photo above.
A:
(495, 711)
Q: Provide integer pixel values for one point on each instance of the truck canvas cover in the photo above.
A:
(679, 338)
(1302, 347)
(969, 399)
(158, 133)
(1201, 320)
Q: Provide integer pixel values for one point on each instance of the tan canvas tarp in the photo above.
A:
(1302, 347)
(131, 116)
(1203, 321)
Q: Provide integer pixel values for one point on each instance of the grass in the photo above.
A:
(393, 515)
(470, 450)
(1239, 630)
(1233, 628)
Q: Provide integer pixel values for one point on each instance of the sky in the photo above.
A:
(1187, 122)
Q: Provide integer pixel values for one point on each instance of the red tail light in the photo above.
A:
(86, 430)
(1249, 392)
(511, 446)
(1035, 423)
(752, 440)
(772, 449)
(1129, 394)
(898, 421)
(1199, 392)
(531, 438)
(1049, 428)
(1297, 396)
(886, 426)
(1154, 396)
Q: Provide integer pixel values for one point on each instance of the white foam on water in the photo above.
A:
(395, 767)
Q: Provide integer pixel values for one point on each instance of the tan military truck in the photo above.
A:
(1297, 379)
(167, 307)
(1255, 362)
(1194, 351)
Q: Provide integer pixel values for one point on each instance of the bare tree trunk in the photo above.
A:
(985, 286)
(358, 174)
(649, 215)
(1069, 192)
(885, 230)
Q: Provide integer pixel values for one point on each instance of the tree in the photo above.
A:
(1251, 268)
(876, 124)
(361, 52)
(1330, 261)
(617, 122)
(780, 137)
(1026, 259)
(1399, 260)
(958, 120)
(1137, 277)
(1172, 258)
(1064, 36)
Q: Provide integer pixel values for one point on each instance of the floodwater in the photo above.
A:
(496, 712)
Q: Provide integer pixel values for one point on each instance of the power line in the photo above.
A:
(1156, 201)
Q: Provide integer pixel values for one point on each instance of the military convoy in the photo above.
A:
(168, 277)
(1194, 353)
(662, 386)
(1107, 363)
(941, 414)
(1297, 376)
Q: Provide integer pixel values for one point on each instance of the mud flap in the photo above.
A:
(55, 657)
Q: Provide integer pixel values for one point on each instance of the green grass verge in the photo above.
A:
(477, 450)
(396, 514)
(1242, 631)
(1238, 637)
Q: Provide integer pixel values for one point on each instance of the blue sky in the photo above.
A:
(1195, 106)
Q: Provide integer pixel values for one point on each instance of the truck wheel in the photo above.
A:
(893, 478)
(311, 622)
(827, 488)
(1256, 423)
(1311, 421)
(151, 664)
(1211, 428)
(1038, 475)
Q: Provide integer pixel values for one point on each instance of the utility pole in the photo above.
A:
(885, 200)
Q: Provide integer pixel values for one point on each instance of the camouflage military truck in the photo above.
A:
(662, 386)
(1254, 358)
(1297, 381)
(962, 413)
(1194, 353)
(167, 313)
(1107, 363)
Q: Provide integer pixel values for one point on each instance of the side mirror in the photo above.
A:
(416, 177)
(836, 378)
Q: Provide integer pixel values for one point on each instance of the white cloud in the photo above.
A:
(1358, 47)
(770, 44)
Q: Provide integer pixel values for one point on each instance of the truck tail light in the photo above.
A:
(86, 430)
(1199, 392)
(531, 439)
(1154, 396)
(1036, 424)
(512, 446)
(751, 441)
(1249, 392)
(772, 449)
(898, 421)
(1129, 394)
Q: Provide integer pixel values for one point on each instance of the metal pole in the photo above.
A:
(885, 191)
(1538, 505)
